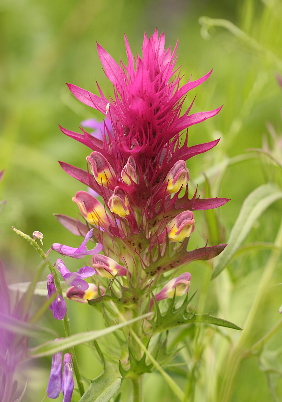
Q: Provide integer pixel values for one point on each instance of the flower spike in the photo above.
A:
(79, 252)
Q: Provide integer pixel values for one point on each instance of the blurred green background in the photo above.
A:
(45, 44)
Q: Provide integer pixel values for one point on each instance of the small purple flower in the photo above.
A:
(58, 306)
(68, 383)
(55, 379)
(98, 126)
(79, 252)
(75, 278)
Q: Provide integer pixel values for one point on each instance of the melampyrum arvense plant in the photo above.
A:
(144, 219)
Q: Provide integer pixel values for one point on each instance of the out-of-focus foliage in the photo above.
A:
(45, 44)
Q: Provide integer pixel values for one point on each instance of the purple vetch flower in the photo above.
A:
(98, 126)
(82, 296)
(75, 278)
(61, 377)
(175, 287)
(79, 252)
(55, 380)
(68, 383)
(58, 306)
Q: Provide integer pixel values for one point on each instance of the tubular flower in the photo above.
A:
(176, 287)
(82, 296)
(101, 169)
(92, 210)
(138, 168)
(128, 173)
(107, 267)
(118, 203)
(177, 177)
(181, 226)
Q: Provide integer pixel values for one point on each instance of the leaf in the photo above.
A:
(23, 328)
(175, 317)
(210, 319)
(103, 388)
(40, 288)
(252, 208)
(49, 348)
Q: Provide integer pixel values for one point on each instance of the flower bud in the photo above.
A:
(92, 210)
(128, 173)
(107, 267)
(181, 226)
(176, 287)
(68, 383)
(118, 203)
(177, 177)
(82, 296)
(101, 169)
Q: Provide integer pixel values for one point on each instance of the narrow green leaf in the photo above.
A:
(252, 208)
(49, 348)
(23, 328)
(27, 297)
(209, 319)
(40, 288)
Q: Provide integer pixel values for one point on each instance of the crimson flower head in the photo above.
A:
(138, 168)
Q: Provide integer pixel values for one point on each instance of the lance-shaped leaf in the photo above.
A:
(49, 348)
(252, 208)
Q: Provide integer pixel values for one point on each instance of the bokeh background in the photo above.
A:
(45, 44)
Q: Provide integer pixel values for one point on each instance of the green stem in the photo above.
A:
(66, 319)
(137, 388)
(239, 351)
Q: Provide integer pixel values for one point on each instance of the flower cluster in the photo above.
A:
(61, 379)
(137, 166)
